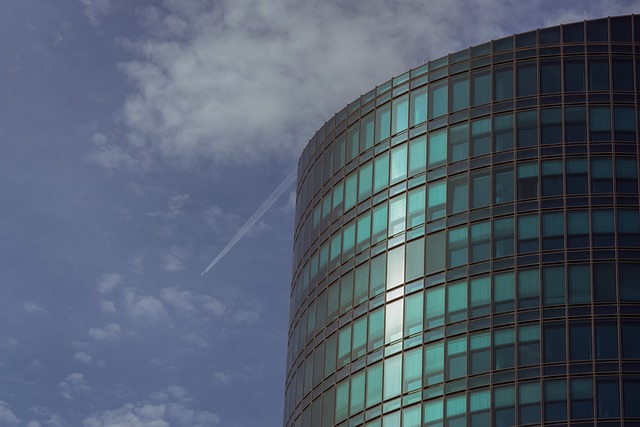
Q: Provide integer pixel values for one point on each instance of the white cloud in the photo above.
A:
(8, 342)
(196, 340)
(7, 417)
(144, 307)
(173, 261)
(213, 305)
(82, 357)
(107, 306)
(73, 386)
(180, 301)
(245, 317)
(95, 9)
(168, 407)
(33, 423)
(111, 332)
(109, 282)
(33, 307)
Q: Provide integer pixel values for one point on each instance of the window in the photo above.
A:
(479, 405)
(504, 406)
(575, 124)
(350, 191)
(527, 79)
(598, 30)
(344, 346)
(415, 260)
(551, 126)
(458, 142)
(365, 181)
(359, 345)
(379, 223)
(550, 76)
(601, 175)
(375, 338)
(433, 413)
(481, 86)
(581, 398)
(342, 400)
(604, 289)
(602, 227)
(480, 188)
(434, 307)
(456, 358)
(400, 114)
(577, 229)
(417, 155)
(608, 392)
(555, 400)
(412, 370)
(628, 228)
(395, 267)
(599, 124)
(438, 98)
(502, 83)
(435, 253)
(552, 231)
(377, 281)
(503, 292)
(338, 200)
(480, 296)
(503, 185)
(479, 353)
(339, 154)
(527, 180)
(436, 200)
(529, 345)
(579, 285)
(437, 148)
(503, 237)
(416, 207)
(397, 214)
(503, 132)
(457, 194)
(459, 87)
(434, 363)
(553, 285)
(364, 232)
(528, 288)
(606, 339)
(551, 178)
(554, 342)
(367, 128)
(353, 140)
(574, 75)
(361, 284)
(579, 341)
(457, 247)
(622, 74)
(630, 334)
(356, 401)
(577, 181)
(418, 100)
(480, 137)
(503, 349)
(413, 314)
(381, 172)
(374, 384)
(527, 128)
(624, 124)
(383, 125)
(392, 383)
(598, 74)
(456, 302)
(480, 241)
(456, 411)
(529, 403)
(626, 175)
(393, 322)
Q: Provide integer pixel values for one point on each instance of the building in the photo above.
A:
(467, 242)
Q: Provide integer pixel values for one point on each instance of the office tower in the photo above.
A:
(467, 242)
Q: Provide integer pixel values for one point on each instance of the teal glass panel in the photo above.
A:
(626, 175)
(599, 124)
(397, 214)
(342, 401)
(365, 181)
(413, 312)
(479, 353)
(356, 400)
(435, 252)
(503, 132)
(624, 124)
(552, 230)
(366, 132)
(555, 400)
(553, 288)
(374, 384)
(458, 198)
(527, 79)
(456, 358)
(574, 75)
(418, 100)
(481, 87)
(434, 307)
(602, 227)
(528, 288)
(376, 329)
(502, 83)
(383, 123)
(503, 238)
(353, 143)
(379, 223)
(436, 200)
(581, 398)
(417, 155)
(456, 302)
(412, 370)
(503, 185)
(480, 296)
(598, 73)
(392, 385)
(348, 240)
(503, 292)
(577, 229)
(328, 402)
(398, 163)
(338, 200)
(359, 345)
(527, 184)
(331, 345)
(550, 126)
(323, 260)
(457, 248)
(480, 188)
(503, 348)
(339, 154)
(364, 232)
(459, 92)
(415, 259)
(479, 408)
(350, 191)
(333, 301)
(480, 137)
(381, 172)
(529, 407)
(344, 346)
(550, 76)
(393, 322)
(434, 363)
(529, 345)
(437, 148)
(456, 410)
(378, 275)
(606, 339)
(438, 99)
(527, 233)
(434, 412)
(415, 207)
(361, 284)
(395, 267)
(458, 142)
(579, 283)
(601, 175)
(480, 243)
(400, 114)
(575, 124)
(335, 251)
(411, 416)
(527, 122)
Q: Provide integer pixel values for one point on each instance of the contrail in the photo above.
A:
(264, 207)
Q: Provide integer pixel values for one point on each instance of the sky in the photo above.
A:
(136, 138)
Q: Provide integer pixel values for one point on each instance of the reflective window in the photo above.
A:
(503, 132)
(577, 229)
(412, 364)
(577, 181)
(527, 180)
(392, 383)
(353, 141)
(435, 253)
(527, 79)
(574, 75)
(598, 74)
(628, 228)
(457, 193)
(604, 289)
(550, 76)
(553, 285)
(608, 392)
(503, 237)
(579, 283)
(503, 185)
(416, 207)
(599, 124)
(459, 87)
(528, 288)
(375, 338)
(479, 353)
(398, 163)
(480, 137)
(480, 243)
(413, 309)
(575, 124)
(606, 339)
(624, 124)
(436, 200)
(456, 302)
(437, 148)
(400, 114)
(601, 175)
(395, 267)
(579, 340)
(527, 128)
(552, 177)
(379, 223)
(381, 172)
(551, 126)
(415, 260)
(480, 189)
(434, 363)
(393, 322)
(383, 125)
(552, 230)
(602, 227)
(528, 233)
(367, 128)
(555, 400)
(529, 345)
(438, 99)
(480, 296)
(457, 254)
(504, 406)
(418, 100)
(456, 410)
(554, 342)
(503, 292)
(456, 358)
(581, 398)
(481, 86)
(479, 405)
(417, 155)
(502, 83)
(458, 142)
(630, 342)
(622, 74)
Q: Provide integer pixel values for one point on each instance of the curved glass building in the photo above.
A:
(467, 242)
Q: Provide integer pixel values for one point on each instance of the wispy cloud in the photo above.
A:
(111, 332)
(144, 307)
(7, 417)
(33, 307)
(94, 10)
(73, 386)
(109, 282)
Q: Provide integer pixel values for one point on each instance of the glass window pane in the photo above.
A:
(503, 132)
(550, 76)
(606, 339)
(397, 214)
(581, 398)
(554, 342)
(608, 392)
(459, 92)
(622, 74)
(413, 311)
(551, 126)
(415, 259)
(552, 230)
(528, 233)
(374, 384)
(416, 207)
(392, 385)
(480, 189)
(383, 125)
(393, 322)
(437, 148)
(503, 237)
(527, 128)
(481, 87)
(456, 302)
(366, 134)
(458, 142)
(555, 400)
(480, 241)
(417, 155)
(503, 292)
(480, 296)
(438, 99)
(480, 137)
(599, 124)
(624, 124)
(436, 200)
(435, 253)
(528, 288)
(527, 180)
(575, 124)
(502, 83)
(579, 285)
(412, 370)
(381, 172)
(553, 285)
(574, 75)
(400, 114)
(398, 163)
(579, 341)
(598, 74)
(527, 79)
(418, 106)
(503, 185)
(457, 194)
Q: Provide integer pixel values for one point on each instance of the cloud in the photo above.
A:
(173, 261)
(245, 317)
(168, 407)
(33, 307)
(94, 10)
(111, 332)
(174, 207)
(107, 306)
(181, 301)
(82, 357)
(7, 417)
(8, 342)
(109, 282)
(144, 307)
(73, 386)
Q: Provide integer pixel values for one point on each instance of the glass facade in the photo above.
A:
(467, 242)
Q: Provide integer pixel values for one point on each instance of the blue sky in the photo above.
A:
(137, 137)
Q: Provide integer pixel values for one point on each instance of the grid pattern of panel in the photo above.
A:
(467, 241)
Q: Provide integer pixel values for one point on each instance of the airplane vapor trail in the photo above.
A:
(264, 207)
